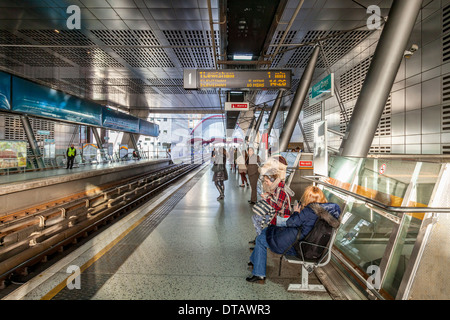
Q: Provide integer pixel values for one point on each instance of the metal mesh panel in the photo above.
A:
(198, 53)
(335, 47)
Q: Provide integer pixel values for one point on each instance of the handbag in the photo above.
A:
(262, 208)
(218, 167)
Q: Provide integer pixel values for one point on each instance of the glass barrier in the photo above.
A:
(370, 236)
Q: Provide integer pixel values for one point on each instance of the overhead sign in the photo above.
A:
(237, 79)
(305, 165)
(236, 106)
(5, 91)
(34, 99)
(322, 90)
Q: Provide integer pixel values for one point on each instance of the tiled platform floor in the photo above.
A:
(199, 251)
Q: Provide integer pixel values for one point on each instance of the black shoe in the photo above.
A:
(252, 203)
(251, 249)
(256, 279)
(252, 242)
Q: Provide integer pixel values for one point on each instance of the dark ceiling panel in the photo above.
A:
(133, 53)
(248, 23)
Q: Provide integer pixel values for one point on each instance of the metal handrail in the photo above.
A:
(380, 205)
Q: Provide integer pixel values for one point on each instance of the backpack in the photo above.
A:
(320, 236)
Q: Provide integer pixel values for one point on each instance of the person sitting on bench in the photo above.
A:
(278, 239)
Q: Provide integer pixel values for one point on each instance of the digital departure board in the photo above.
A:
(237, 79)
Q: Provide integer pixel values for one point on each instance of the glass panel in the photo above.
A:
(363, 235)
(366, 236)
(421, 193)
(342, 171)
(384, 181)
(401, 254)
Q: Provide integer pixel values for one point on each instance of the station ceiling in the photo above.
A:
(132, 53)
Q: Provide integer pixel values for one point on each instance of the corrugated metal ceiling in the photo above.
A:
(132, 53)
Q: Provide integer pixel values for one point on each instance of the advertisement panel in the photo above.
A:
(13, 154)
(34, 99)
(148, 128)
(5, 91)
(117, 120)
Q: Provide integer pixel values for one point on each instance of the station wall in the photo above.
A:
(416, 119)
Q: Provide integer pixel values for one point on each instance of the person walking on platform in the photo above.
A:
(240, 161)
(253, 173)
(220, 172)
(71, 153)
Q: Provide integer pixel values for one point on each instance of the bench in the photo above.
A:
(308, 266)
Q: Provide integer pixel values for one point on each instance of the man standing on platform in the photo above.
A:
(71, 153)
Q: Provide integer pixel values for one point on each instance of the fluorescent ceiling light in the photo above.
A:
(246, 57)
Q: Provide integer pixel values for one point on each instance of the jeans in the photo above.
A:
(259, 255)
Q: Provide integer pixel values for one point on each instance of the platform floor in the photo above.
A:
(182, 245)
(33, 175)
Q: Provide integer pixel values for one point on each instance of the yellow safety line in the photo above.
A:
(52, 293)
(63, 284)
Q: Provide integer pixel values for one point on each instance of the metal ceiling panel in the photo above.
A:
(133, 52)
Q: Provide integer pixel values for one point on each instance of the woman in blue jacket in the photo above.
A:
(279, 239)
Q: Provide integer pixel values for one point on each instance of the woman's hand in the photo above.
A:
(297, 207)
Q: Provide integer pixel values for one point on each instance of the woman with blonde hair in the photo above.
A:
(279, 239)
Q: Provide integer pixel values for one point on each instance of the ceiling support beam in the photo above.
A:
(380, 78)
(299, 99)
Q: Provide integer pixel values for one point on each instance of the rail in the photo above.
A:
(25, 239)
(316, 179)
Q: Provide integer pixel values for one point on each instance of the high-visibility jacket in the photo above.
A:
(71, 152)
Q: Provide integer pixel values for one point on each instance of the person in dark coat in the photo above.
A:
(220, 175)
(253, 173)
(279, 239)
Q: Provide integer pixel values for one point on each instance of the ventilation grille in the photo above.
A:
(446, 103)
(380, 149)
(198, 53)
(276, 40)
(136, 57)
(351, 81)
(34, 57)
(308, 127)
(446, 149)
(446, 33)
(385, 125)
(14, 129)
(60, 38)
(336, 46)
(89, 57)
(314, 110)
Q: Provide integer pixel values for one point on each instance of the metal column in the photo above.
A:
(249, 130)
(380, 78)
(32, 140)
(99, 142)
(274, 111)
(299, 98)
(254, 132)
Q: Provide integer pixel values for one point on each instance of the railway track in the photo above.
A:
(29, 236)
